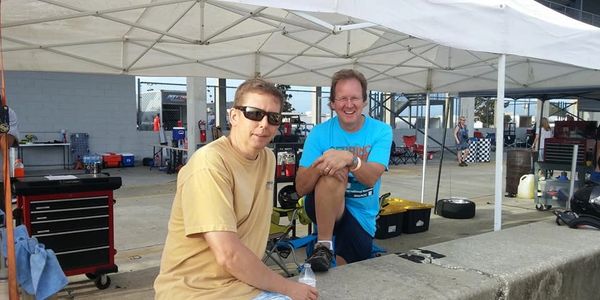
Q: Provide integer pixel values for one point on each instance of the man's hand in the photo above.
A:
(333, 161)
(341, 174)
(244, 265)
(302, 291)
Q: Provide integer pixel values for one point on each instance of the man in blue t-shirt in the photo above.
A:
(340, 171)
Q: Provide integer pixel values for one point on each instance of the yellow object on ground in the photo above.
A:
(406, 204)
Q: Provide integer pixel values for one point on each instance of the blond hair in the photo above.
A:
(259, 86)
(545, 124)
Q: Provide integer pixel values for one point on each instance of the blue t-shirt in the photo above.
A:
(371, 143)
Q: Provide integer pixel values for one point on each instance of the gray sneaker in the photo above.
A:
(321, 258)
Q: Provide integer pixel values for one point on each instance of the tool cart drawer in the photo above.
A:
(68, 204)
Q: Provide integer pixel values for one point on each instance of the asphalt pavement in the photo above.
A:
(144, 201)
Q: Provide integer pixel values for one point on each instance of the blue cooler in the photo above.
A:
(128, 160)
(178, 133)
(92, 159)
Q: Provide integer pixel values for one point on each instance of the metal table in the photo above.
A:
(175, 156)
(66, 147)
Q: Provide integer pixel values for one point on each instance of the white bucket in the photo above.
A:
(526, 186)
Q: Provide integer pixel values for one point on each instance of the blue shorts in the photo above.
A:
(351, 241)
(462, 146)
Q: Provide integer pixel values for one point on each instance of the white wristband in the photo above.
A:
(358, 164)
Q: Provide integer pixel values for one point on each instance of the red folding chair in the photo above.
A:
(410, 141)
(410, 144)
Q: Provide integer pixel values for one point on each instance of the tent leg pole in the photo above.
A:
(499, 143)
(446, 123)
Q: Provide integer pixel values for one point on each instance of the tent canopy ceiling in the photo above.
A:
(400, 46)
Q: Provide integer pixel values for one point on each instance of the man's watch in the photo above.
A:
(356, 163)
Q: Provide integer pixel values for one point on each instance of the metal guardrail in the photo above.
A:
(574, 13)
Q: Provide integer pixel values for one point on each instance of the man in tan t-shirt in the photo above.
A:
(220, 217)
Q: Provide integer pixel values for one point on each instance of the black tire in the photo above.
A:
(287, 197)
(456, 208)
(91, 276)
(102, 282)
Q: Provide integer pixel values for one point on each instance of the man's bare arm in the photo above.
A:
(369, 173)
(244, 265)
(306, 179)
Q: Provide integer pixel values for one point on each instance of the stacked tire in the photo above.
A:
(456, 208)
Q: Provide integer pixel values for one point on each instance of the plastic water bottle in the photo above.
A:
(307, 276)
(19, 168)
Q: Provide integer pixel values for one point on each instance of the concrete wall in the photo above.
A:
(535, 261)
(104, 106)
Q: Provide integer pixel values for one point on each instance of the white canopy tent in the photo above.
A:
(400, 45)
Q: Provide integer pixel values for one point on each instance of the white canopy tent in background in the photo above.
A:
(396, 44)
(400, 45)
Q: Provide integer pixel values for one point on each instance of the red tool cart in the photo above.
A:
(72, 215)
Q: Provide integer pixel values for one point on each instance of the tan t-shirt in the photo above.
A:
(217, 190)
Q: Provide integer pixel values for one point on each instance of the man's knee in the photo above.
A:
(333, 185)
(333, 191)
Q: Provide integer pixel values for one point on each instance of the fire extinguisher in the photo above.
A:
(202, 126)
(287, 128)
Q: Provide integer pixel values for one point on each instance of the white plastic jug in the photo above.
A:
(526, 186)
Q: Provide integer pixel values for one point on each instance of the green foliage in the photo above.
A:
(287, 106)
(484, 110)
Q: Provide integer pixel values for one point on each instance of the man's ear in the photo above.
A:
(233, 116)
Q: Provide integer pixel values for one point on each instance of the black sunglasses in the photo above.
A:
(257, 114)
